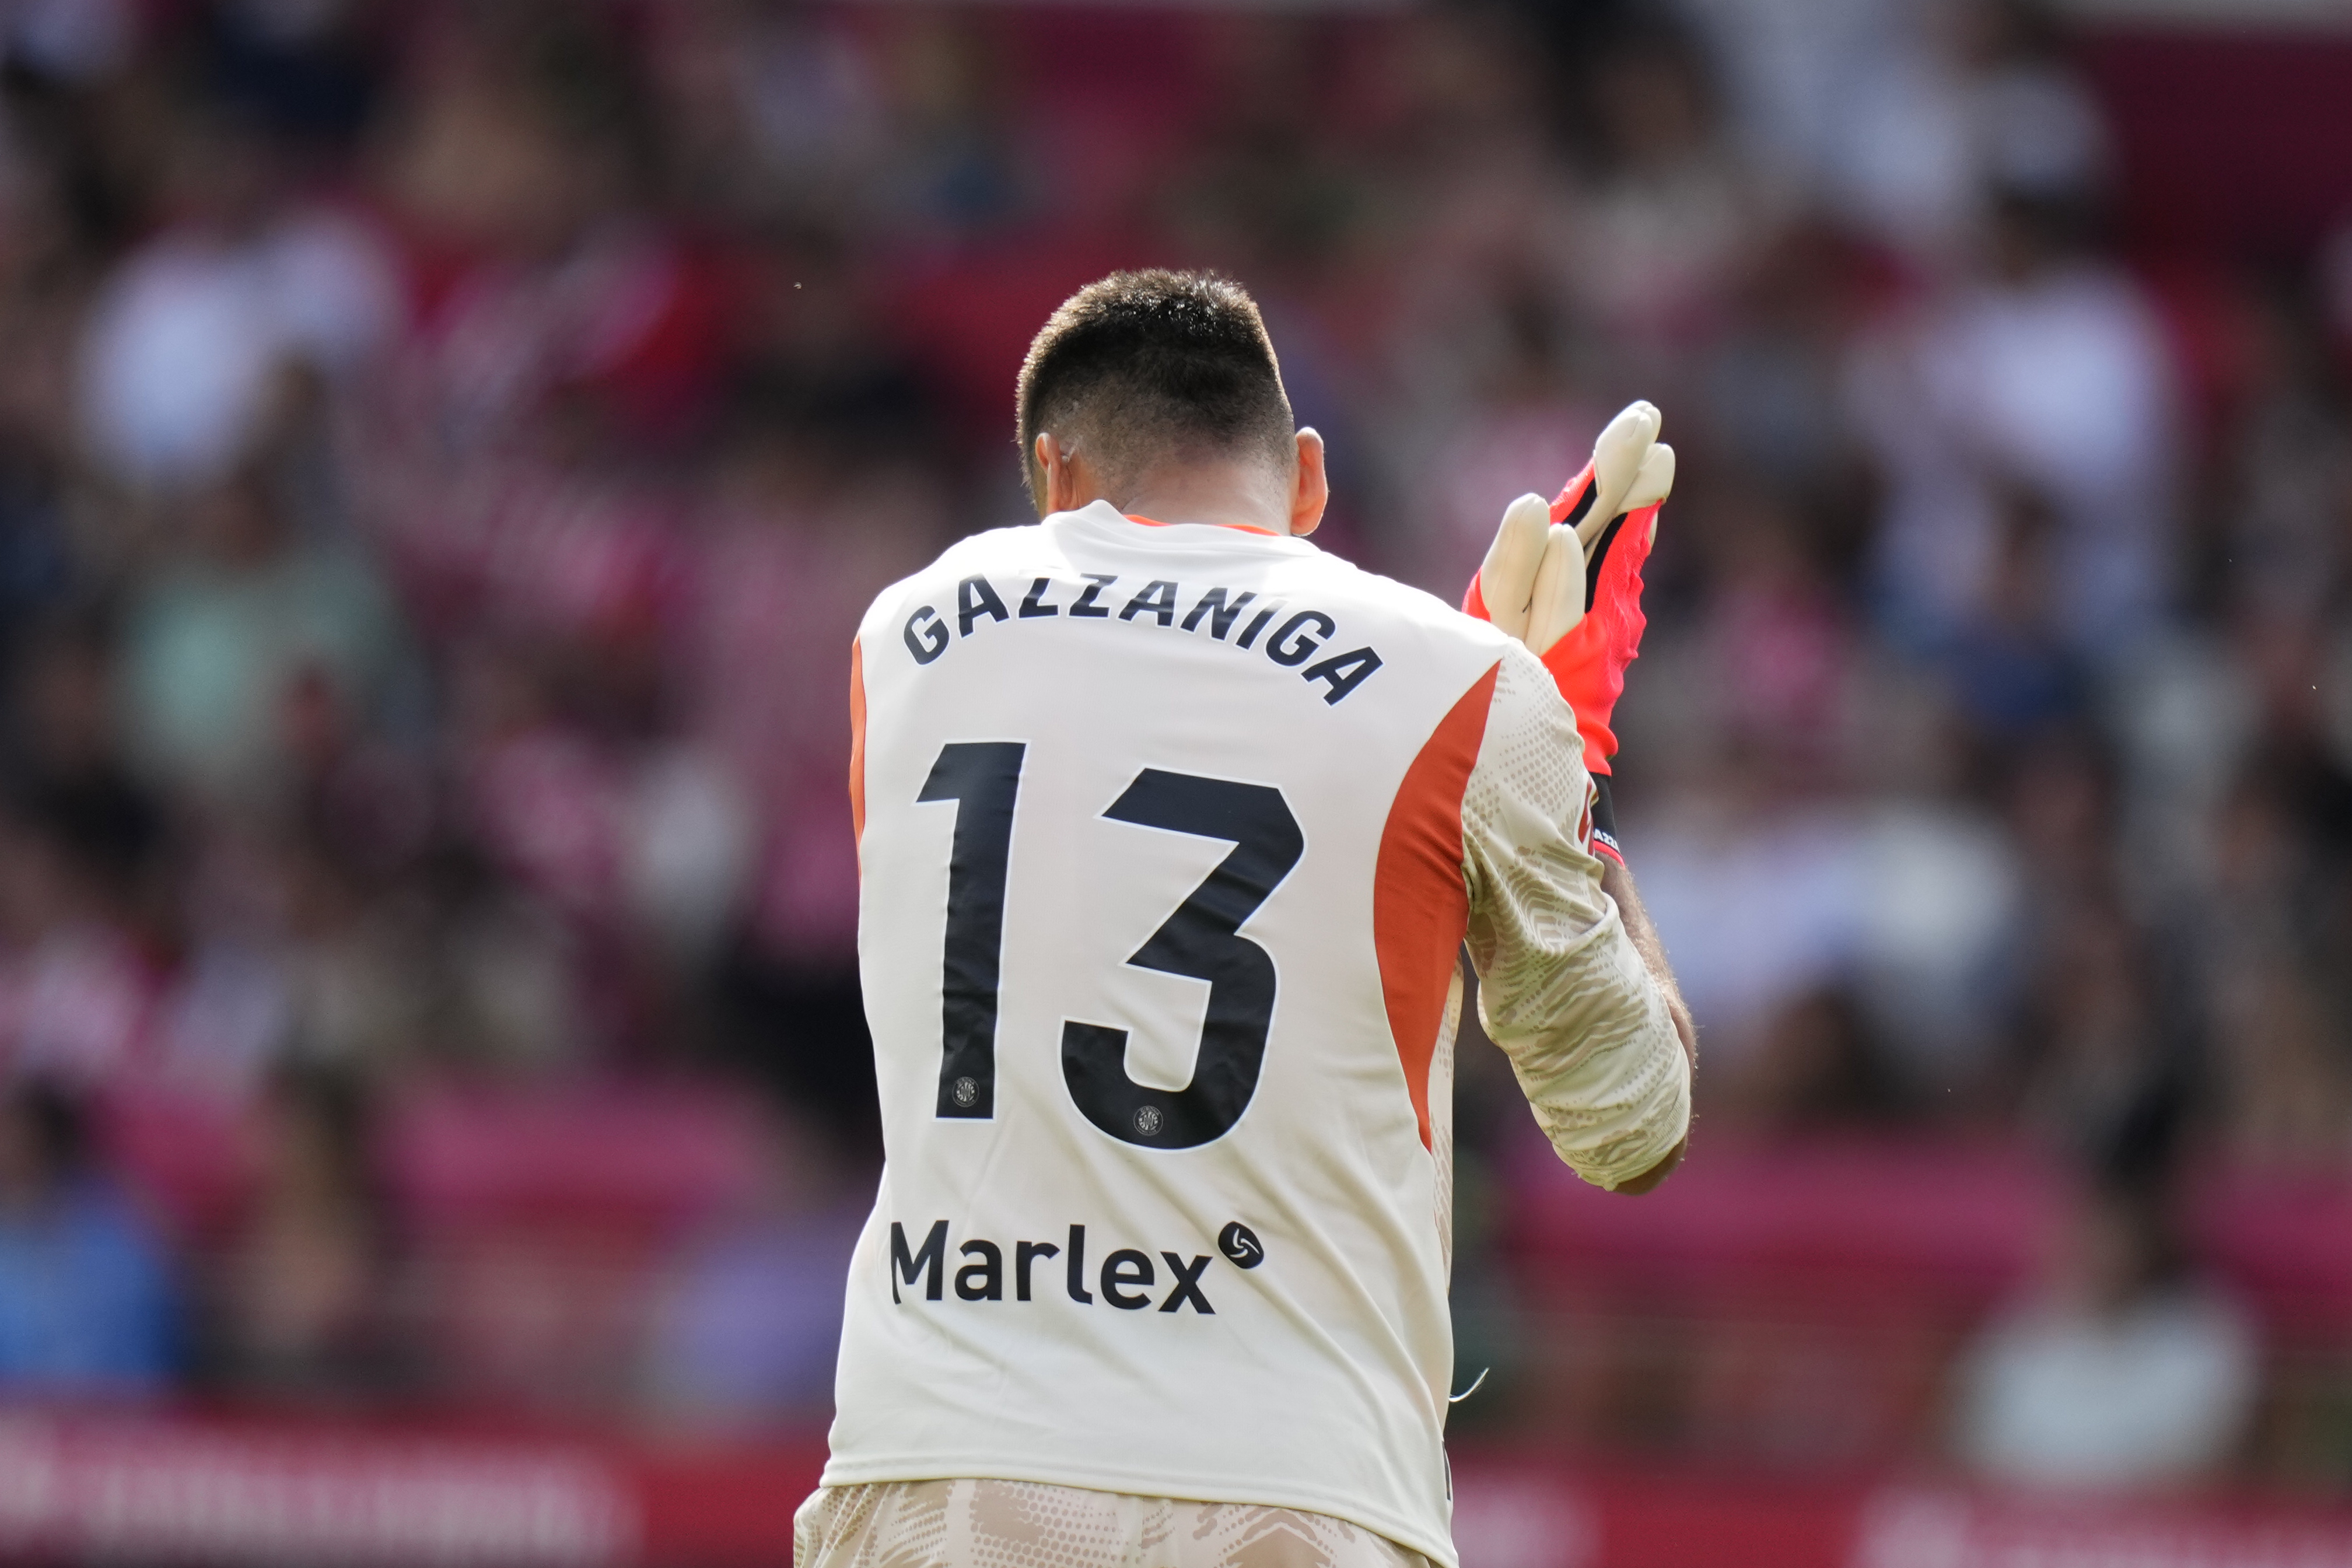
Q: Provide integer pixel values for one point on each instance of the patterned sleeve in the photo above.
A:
(1562, 989)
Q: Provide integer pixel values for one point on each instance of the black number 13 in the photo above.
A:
(1201, 939)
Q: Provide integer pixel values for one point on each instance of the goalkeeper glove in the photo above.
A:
(1566, 579)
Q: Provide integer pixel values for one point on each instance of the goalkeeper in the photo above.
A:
(1171, 830)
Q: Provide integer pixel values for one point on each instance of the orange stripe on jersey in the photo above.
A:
(1237, 527)
(857, 742)
(1420, 907)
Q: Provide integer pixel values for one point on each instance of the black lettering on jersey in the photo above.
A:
(1126, 1267)
(1221, 614)
(906, 1266)
(931, 641)
(1201, 939)
(1257, 625)
(1025, 1253)
(1290, 644)
(1343, 672)
(975, 598)
(1188, 1285)
(1158, 599)
(1084, 605)
(983, 1281)
(982, 777)
(1127, 1276)
(1077, 1270)
(1035, 605)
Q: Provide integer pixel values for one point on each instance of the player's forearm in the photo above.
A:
(1590, 1041)
(1617, 883)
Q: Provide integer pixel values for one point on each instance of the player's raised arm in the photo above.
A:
(1596, 1039)
(1576, 986)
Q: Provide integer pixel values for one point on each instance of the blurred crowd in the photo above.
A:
(445, 449)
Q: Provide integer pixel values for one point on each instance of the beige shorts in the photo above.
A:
(1024, 1524)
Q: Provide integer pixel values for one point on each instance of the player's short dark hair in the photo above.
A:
(1140, 368)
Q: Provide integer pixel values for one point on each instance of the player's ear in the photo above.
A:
(1310, 487)
(1050, 474)
(1040, 468)
(1055, 488)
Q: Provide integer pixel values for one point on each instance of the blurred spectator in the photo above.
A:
(1818, 1070)
(1972, 97)
(2012, 669)
(1763, 905)
(2282, 1039)
(746, 1330)
(1912, 907)
(1671, 218)
(86, 1304)
(80, 977)
(303, 68)
(2047, 370)
(1492, 400)
(792, 548)
(518, 162)
(359, 974)
(1783, 665)
(219, 642)
(500, 974)
(955, 171)
(307, 1301)
(2127, 1372)
(66, 755)
(1770, 397)
(1270, 186)
(2096, 1035)
(2285, 471)
(190, 347)
(35, 560)
(771, 110)
(69, 40)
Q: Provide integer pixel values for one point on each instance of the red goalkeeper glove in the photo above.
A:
(1566, 579)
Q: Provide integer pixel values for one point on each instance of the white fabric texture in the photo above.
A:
(1023, 1524)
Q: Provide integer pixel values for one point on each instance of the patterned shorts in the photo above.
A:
(1023, 1524)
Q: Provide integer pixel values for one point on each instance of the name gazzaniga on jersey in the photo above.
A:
(1298, 639)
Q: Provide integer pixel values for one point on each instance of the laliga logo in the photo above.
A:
(1241, 1245)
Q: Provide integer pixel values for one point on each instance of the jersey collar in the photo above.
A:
(1112, 521)
(1237, 527)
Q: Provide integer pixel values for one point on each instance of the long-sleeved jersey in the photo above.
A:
(1170, 836)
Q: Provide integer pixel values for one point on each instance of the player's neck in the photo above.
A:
(1233, 495)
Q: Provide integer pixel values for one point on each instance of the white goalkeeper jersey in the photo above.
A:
(1170, 836)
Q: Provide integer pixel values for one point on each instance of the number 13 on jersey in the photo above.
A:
(1202, 940)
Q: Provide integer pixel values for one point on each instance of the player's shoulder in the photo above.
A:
(1401, 599)
(1524, 696)
(1414, 609)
